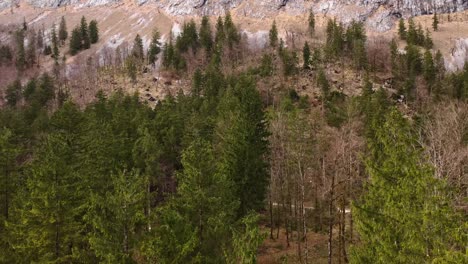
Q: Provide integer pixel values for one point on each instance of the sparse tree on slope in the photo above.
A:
(93, 31)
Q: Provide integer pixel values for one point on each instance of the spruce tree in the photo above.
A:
(435, 22)
(93, 31)
(195, 226)
(311, 24)
(404, 215)
(273, 35)
(243, 144)
(232, 35)
(429, 72)
(220, 33)
(154, 47)
(13, 93)
(115, 216)
(55, 49)
(20, 51)
(137, 50)
(306, 55)
(63, 33)
(84, 34)
(206, 36)
(75, 41)
(402, 29)
(428, 44)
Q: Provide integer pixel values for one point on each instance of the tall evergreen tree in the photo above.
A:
(273, 35)
(429, 72)
(220, 33)
(20, 51)
(402, 29)
(55, 49)
(137, 50)
(93, 31)
(206, 36)
(115, 218)
(306, 55)
(63, 33)
(31, 50)
(154, 47)
(84, 34)
(435, 22)
(13, 93)
(403, 217)
(243, 144)
(75, 41)
(311, 24)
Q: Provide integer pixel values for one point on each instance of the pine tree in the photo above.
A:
(131, 68)
(13, 93)
(402, 29)
(311, 25)
(63, 33)
(84, 34)
(273, 35)
(429, 71)
(435, 22)
(206, 36)
(55, 50)
(115, 217)
(404, 215)
(243, 144)
(194, 227)
(46, 227)
(75, 41)
(232, 35)
(40, 39)
(20, 51)
(428, 44)
(412, 34)
(93, 31)
(137, 50)
(220, 34)
(322, 81)
(306, 55)
(154, 47)
(9, 182)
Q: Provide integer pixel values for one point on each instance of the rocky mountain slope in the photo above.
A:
(378, 14)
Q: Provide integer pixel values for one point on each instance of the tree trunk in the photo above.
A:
(330, 222)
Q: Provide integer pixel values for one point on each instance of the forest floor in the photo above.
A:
(276, 250)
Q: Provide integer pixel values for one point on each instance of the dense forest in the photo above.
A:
(209, 175)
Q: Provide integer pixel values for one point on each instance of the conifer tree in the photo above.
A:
(206, 36)
(220, 33)
(311, 20)
(9, 183)
(429, 72)
(13, 93)
(93, 31)
(273, 35)
(75, 41)
(131, 68)
(402, 29)
(63, 33)
(428, 44)
(322, 81)
(115, 217)
(84, 34)
(195, 225)
(232, 35)
(55, 49)
(306, 55)
(48, 228)
(137, 50)
(40, 39)
(404, 216)
(20, 51)
(154, 47)
(435, 22)
(243, 144)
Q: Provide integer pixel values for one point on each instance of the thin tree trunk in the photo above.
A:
(330, 222)
(271, 215)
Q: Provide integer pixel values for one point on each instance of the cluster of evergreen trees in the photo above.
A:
(414, 35)
(83, 35)
(118, 181)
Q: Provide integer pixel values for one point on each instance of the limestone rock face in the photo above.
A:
(377, 14)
